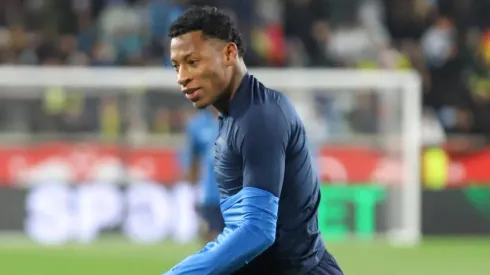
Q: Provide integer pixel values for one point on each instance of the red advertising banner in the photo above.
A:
(83, 162)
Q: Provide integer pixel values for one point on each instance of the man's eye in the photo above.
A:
(176, 67)
(193, 62)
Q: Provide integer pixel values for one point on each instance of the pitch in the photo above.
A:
(114, 255)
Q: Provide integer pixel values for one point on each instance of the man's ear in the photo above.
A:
(230, 52)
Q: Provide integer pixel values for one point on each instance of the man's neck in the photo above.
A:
(238, 73)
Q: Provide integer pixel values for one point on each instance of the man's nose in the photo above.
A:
(183, 78)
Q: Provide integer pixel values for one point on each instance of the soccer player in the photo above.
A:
(269, 190)
(202, 131)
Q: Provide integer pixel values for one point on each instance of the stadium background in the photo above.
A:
(53, 135)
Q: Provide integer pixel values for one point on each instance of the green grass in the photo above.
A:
(449, 256)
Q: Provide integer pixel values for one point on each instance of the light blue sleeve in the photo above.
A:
(251, 220)
(192, 147)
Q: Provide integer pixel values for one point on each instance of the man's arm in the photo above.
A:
(192, 152)
(262, 142)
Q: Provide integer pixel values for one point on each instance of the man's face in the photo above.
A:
(202, 67)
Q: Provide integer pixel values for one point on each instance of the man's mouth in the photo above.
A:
(191, 93)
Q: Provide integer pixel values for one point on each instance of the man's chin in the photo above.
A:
(200, 105)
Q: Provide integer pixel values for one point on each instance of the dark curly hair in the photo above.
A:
(212, 22)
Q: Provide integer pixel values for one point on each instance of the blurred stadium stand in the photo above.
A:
(446, 41)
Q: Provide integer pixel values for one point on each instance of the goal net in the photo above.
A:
(113, 137)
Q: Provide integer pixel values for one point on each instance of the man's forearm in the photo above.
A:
(193, 172)
(237, 245)
(238, 249)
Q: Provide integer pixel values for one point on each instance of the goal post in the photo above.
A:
(396, 139)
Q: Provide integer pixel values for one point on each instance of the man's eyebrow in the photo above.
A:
(184, 58)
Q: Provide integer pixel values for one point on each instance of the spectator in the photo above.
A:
(444, 40)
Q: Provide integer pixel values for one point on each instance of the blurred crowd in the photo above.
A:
(446, 41)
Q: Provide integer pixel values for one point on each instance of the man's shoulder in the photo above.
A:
(272, 96)
(268, 117)
(264, 112)
(267, 108)
(279, 104)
